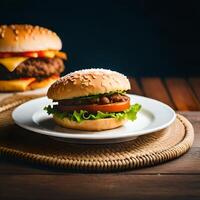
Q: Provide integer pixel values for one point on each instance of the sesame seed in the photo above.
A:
(74, 82)
(29, 31)
(12, 26)
(93, 76)
(2, 35)
(26, 27)
(16, 31)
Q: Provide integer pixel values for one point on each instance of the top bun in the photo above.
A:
(21, 38)
(88, 82)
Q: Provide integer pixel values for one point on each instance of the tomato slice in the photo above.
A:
(29, 54)
(34, 54)
(113, 107)
(6, 55)
(20, 54)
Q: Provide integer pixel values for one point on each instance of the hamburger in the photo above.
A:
(92, 100)
(30, 57)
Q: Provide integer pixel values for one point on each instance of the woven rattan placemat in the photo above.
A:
(144, 151)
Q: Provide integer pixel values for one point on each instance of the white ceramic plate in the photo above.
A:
(153, 116)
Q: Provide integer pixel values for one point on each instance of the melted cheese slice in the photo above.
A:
(12, 62)
(15, 85)
(46, 82)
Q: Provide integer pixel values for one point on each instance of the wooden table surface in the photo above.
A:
(178, 179)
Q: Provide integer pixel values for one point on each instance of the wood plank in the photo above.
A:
(192, 116)
(195, 84)
(99, 186)
(182, 95)
(135, 87)
(154, 88)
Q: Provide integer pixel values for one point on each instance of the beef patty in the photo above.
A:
(101, 99)
(34, 67)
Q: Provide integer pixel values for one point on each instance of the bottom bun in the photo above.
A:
(90, 125)
(23, 84)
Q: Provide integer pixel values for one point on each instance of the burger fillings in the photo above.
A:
(30, 57)
(91, 99)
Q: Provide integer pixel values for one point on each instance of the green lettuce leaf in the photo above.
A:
(129, 114)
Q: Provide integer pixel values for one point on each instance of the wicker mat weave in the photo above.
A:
(144, 151)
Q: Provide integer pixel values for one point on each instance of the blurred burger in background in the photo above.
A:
(30, 57)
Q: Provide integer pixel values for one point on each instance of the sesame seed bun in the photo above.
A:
(90, 125)
(22, 38)
(88, 82)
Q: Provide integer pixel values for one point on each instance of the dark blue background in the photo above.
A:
(135, 37)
